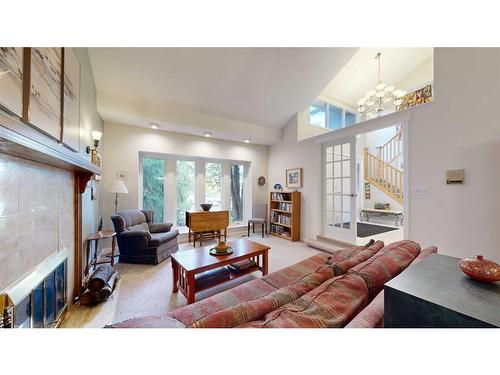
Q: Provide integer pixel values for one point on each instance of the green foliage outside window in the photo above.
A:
(185, 189)
(153, 189)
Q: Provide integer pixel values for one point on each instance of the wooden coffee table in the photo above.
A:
(186, 264)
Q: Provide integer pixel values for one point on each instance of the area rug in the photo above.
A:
(367, 230)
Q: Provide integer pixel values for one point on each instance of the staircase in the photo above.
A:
(380, 172)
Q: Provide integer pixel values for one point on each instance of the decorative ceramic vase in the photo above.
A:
(480, 269)
(221, 247)
(206, 206)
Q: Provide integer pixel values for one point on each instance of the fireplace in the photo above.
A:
(39, 299)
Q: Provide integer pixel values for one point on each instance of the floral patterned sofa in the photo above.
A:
(344, 289)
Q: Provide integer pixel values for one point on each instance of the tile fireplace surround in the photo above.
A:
(36, 217)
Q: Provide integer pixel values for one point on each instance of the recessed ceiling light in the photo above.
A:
(153, 125)
(207, 134)
(247, 140)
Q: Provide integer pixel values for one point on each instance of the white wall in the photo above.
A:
(122, 145)
(307, 155)
(459, 130)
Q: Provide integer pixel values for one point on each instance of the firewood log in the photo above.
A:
(100, 277)
(105, 292)
(88, 298)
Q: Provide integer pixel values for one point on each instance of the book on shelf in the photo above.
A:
(281, 219)
(279, 196)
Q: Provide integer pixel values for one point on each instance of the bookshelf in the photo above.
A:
(284, 214)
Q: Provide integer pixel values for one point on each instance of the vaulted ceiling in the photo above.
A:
(235, 93)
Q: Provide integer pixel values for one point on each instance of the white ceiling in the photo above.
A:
(360, 74)
(261, 86)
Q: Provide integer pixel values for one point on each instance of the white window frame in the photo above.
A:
(170, 184)
(327, 115)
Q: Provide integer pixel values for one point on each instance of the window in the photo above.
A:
(185, 189)
(153, 194)
(174, 184)
(236, 205)
(329, 116)
(317, 114)
(213, 184)
(334, 117)
(350, 119)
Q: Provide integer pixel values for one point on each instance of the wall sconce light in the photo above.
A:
(96, 136)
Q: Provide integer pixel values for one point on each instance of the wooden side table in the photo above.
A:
(96, 237)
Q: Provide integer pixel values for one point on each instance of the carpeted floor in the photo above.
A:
(147, 289)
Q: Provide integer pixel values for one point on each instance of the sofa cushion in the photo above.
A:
(132, 217)
(330, 305)
(257, 308)
(386, 264)
(371, 316)
(142, 226)
(159, 227)
(245, 292)
(157, 239)
(292, 274)
(360, 256)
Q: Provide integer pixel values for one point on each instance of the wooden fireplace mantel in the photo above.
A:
(23, 141)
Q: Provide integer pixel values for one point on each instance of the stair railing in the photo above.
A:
(392, 149)
(386, 177)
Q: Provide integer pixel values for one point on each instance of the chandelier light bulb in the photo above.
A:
(370, 93)
(380, 94)
(390, 88)
(361, 101)
(370, 103)
(380, 86)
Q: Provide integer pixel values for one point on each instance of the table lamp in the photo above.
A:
(117, 187)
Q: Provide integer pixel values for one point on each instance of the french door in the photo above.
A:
(339, 190)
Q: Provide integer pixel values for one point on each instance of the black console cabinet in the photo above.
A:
(435, 293)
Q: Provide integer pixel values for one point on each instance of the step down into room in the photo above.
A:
(325, 246)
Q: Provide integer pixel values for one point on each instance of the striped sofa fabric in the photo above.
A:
(321, 291)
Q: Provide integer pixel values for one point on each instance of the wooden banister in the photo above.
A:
(392, 149)
(386, 177)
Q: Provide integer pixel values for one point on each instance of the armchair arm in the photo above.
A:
(160, 228)
(136, 238)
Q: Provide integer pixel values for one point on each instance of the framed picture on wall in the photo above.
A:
(294, 178)
(71, 109)
(45, 98)
(11, 79)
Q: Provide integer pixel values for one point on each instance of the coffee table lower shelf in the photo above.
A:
(187, 264)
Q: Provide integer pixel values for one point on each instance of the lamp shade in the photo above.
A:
(118, 187)
(96, 135)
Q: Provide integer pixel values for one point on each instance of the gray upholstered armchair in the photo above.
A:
(142, 241)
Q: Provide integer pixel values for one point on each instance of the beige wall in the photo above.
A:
(122, 145)
(459, 130)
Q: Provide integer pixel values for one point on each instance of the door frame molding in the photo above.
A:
(369, 126)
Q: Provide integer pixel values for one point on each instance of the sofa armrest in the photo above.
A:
(160, 227)
(135, 238)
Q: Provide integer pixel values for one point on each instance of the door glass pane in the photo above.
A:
(153, 194)
(346, 168)
(328, 170)
(346, 203)
(329, 218)
(334, 117)
(336, 169)
(337, 219)
(346, 185)
(213, 185)
(236, 198)
(346, 151)
(317, 114)
(337, 151)
(346, 222)
(336, 185)
(336, 203)
(185, 189)
(329, 154)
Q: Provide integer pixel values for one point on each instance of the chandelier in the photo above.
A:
(382, 98)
